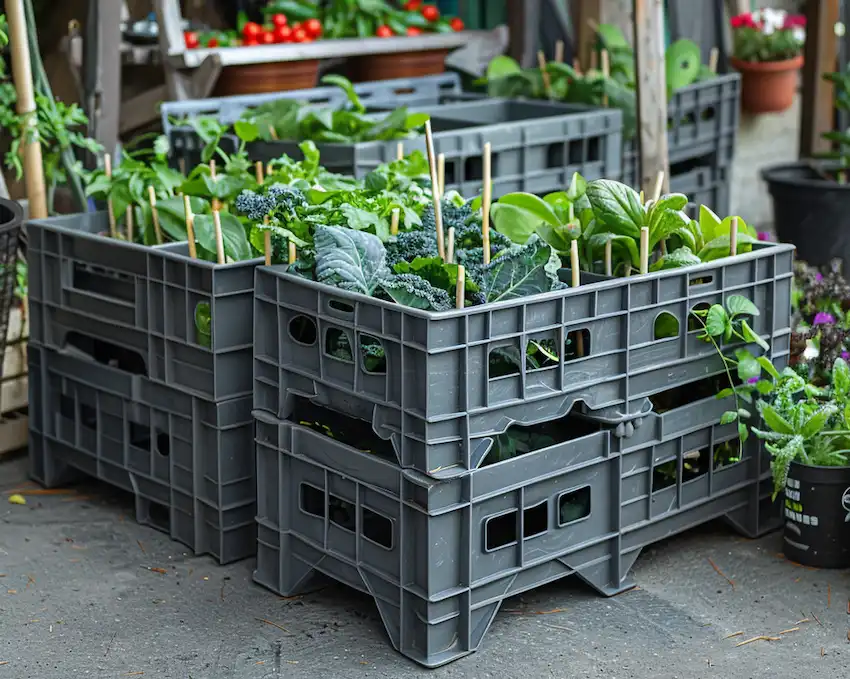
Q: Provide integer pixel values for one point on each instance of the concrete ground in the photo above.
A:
(79, 598)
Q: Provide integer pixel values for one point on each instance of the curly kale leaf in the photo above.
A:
(521, 271)
(409, 245)
(414, 291)
(438, 273)
(349, 259)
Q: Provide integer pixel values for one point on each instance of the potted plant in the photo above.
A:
(768, 52)
(811, 198)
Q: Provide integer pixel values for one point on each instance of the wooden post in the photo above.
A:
(586, 14)
(651, 92)
(821, 55)
(22, 74)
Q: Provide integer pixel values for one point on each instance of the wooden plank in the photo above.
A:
(651, 93)
(821, 56)
(585, 14)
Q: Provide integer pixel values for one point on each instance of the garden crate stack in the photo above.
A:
(400, 477)
(133, 382)
(536, 146)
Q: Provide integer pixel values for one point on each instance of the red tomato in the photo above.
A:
(456, 24)
(191, 39)
(384, 32)
(299, 35)
(412, 30)
(313, 27)
(213, 42)
(282, 34)
(252, 30)
(279, 20)
(250, 42)
(267, 38)
(430, 12)
(413, 5)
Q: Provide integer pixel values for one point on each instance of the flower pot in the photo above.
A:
(400, 65)
(767, 86)
(811, 211)
(817, 516)
(272, 77)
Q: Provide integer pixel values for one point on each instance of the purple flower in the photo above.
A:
(764, 235)
(752, 380)
(845, 355)
(818, 276)
(823, 318)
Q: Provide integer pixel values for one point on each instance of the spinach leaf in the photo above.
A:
(616, 206)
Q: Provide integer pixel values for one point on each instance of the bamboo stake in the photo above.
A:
(547, 83)
(609, 246)
(559, 51)
(593, 60)
(644, 249)
(486, 200)
(22, 74)
(713, 57)
(216, 203)
(438, 211)
(190, 227)
(394, 219)
(399, 151)
(258, 169)
(272, 132)
(461, 284)
(110, 211)
(606, 72)
(269, 170)
(659, 186)
(181, 165)
(129, 219)
(642, 198)
(292, 253)
(155, 215)
(733, 237)
(577, 65)
(219, 240)
(574, 264)
(450, 246)
(441, 173)
(267, 243)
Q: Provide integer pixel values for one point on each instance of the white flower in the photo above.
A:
(799, 34)
(811, 351)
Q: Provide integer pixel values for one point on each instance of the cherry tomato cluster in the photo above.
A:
(254, 34)
(429, 12)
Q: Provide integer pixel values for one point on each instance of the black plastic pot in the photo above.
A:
(817, 516)
(811, 212)
(11, 221)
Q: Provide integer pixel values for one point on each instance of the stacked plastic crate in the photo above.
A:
(400, 454)
(133, 382)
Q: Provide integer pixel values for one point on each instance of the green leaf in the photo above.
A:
(725, 393)
(502, 66)
(720, 247)
(416, 120)
(709, 224)
(728, 417)
(346, 86)
(234, 238)
(520, 272)
(764, 387)
(716, 321)
(577, 188)
(775, 421)
(841, 377)
(678, 258)
(847, 416)
(817, 421)
(616, 206)
(748, 366)
(751, 336)
(366, 220)
(743, 432)
(767, 366)
(520, 216)
(437, 272)
(665, 223)
(738, 304)
(246, 131)
(349, 259)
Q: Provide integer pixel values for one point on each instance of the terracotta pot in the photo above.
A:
(272, 77)
(400, 65)
(767, 86)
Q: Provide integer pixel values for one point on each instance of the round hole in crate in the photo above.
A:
(697, 322)
(666, 325)
(372, 355)
(303, 330)
(163, 444)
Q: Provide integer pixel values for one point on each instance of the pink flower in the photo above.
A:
(823, 318)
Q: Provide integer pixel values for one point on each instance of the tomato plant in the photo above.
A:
(299, 35)
(413, 5)
(457, 24)
(413, 31)
(384, 32)
(191, 39)
(430, 12)
(252, 30)
(267, 38)
(279, 20)
(313, 28)
(282, 34)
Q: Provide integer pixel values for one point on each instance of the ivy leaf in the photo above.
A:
(725, 393)
(728, 417)
(738, 304)
(748, 366)
(349, 259)
(743, 432)
(751, 336)
(716, 321)
(764, 387)
(765, 363)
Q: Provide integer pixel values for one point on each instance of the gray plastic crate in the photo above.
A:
(186, 145)
(702, 122)
(188, 462)
(536, 146)
(142, 299)
(439, 557)
(707, 185)
(437, 398)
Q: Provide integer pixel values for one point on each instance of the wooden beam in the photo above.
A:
(585, 12)
(821, 56)
(524, 22)
(651, 85)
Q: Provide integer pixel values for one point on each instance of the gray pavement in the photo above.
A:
(78, 598)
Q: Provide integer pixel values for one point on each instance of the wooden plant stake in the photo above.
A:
(450, 246)
(460, 287)
(644, 249)
(219, 239)
(577, 65)
(559, 51)
(593, 60)
(606, 71)
(216, 203)
(609, 268)
(733, 237)
(399, 151)
(576, 282)
(441, 173)
(267, 242)
(292, 253)
(659, 186)
(713, 57)
(181, 165)
(394, 219)
(547, 83)
(272, 132)
(190, 227)
(486, 200)
(129, 220)
(258, 169)
(642, 198)
(110, 211)
(269, 170)
(155, 215)
(438, 211)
